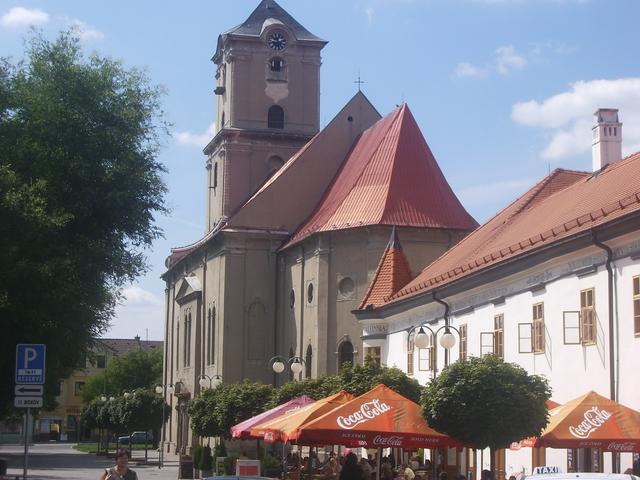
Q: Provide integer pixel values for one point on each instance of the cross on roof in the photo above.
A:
(359, 82)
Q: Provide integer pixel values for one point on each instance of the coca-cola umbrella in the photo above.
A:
(280, 428)
(243, 429)
(592, 421)
(378, 418)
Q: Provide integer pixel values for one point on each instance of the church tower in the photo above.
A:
(268, 104)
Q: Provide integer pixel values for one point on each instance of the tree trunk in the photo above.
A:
(492, 462)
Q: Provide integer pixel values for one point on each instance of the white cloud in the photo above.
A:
(17, 17)
(567, 117)
(507, 60)
(465, 69)
(140, 312)
(196, 139)
(370, 13)
(85, 31)
(135, 295)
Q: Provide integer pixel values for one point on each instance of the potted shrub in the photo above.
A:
(196, 453)
(206, 462)
(270, 466)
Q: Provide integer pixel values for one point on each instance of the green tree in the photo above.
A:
(360, 378)
(215, 411)
(487, 403)
(138, 369)
(80, 185)
(315, 388)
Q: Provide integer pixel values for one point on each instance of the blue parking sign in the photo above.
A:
(30, 363)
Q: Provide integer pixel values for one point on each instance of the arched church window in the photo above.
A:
(215, 175)
(275, 163)
(345, 353)
(275, 117)
(307, 361)
(276, 64)
(222, 121)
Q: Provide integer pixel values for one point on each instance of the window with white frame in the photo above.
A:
(426, 359)
(538, 327)
(588, 316)
(374, 353)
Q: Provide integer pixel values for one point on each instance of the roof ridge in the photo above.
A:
(589, 217)
(319, 205)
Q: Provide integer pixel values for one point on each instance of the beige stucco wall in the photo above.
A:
(323, 260)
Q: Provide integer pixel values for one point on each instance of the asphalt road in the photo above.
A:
(61, 461)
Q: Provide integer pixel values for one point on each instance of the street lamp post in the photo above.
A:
(423, 339)
(211, 382)
(278, 364)
(162, 390)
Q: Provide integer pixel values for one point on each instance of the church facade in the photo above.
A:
(298, 220)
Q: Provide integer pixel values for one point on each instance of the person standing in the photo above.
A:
(350, 469)
(121, 470)
(366, 468)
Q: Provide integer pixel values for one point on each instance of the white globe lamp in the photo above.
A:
(278, 366)
(203, 382)
(296, 367)
(447, 340)
(159, 389)
(422, 339)
(216, 381)
(170, 389)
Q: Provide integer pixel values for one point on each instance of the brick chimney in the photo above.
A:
(607, 138)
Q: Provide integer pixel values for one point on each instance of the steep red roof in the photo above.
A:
(563, 204)
(392, 274)
(390, 177)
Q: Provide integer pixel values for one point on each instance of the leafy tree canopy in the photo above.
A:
(215, 411)
(487, 402)
(142, 410)
(138, 369)
(80, 184)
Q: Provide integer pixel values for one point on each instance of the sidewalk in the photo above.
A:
(60, 461)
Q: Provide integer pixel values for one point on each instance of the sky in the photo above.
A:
(503, 90)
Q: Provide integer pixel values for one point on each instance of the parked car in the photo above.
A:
(136, 437)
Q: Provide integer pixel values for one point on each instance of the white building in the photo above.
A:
(533, 285)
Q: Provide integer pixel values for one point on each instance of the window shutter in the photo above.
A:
(525, 338)
(571, 328)
(486, 343)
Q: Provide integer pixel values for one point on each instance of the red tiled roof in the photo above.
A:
(390, 177)
(123, 346)
(392, 274)
(563, 204)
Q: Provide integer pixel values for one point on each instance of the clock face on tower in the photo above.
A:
(276, 41)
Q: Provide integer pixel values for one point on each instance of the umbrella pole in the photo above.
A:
(379, 464)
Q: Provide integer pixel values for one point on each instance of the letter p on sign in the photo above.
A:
(30, 364)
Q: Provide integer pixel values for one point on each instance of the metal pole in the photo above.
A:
(26, 445)
(164, 401)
